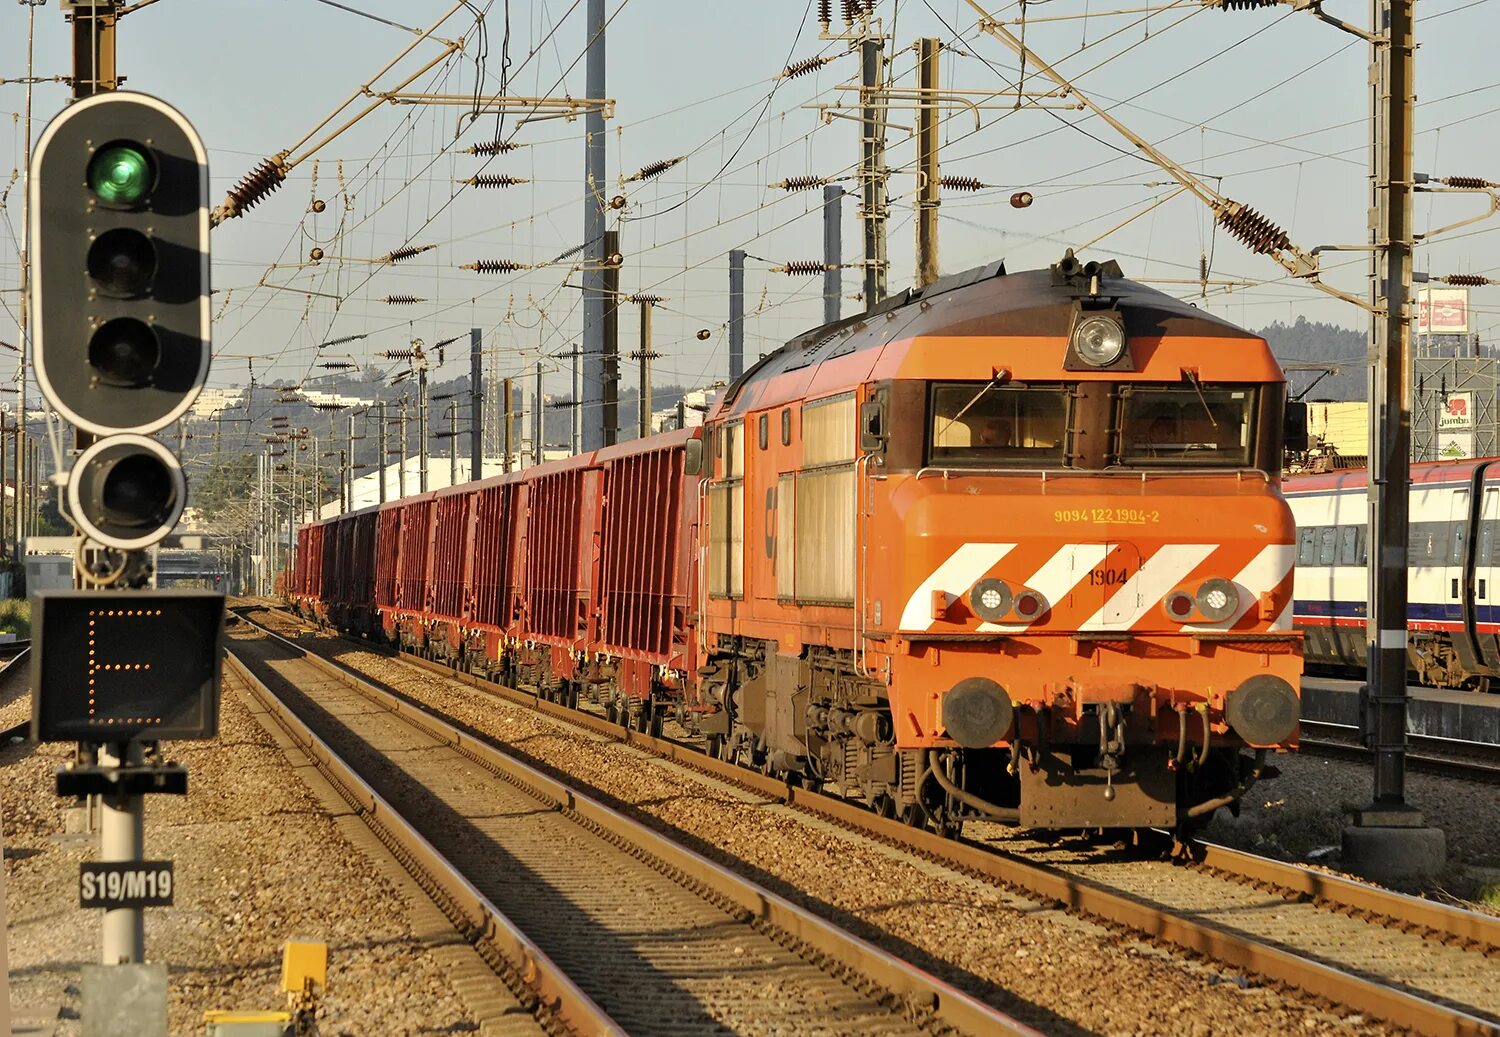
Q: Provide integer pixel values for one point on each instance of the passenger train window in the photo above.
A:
(1327, 544)
(1486, 543)
(1456, 546)
(1306, 549)
(1348, 545)
(764, 424)
(984, 423)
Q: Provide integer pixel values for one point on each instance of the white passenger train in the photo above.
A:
(1452, 614)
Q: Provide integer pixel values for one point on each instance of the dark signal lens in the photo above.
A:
(122, 174)
(122, 262)
(125, 352)
(138, 492)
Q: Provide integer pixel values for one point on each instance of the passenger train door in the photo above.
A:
(1472, 552)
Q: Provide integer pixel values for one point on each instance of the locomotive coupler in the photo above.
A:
(1111, 744)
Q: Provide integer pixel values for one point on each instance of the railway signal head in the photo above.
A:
(126, 492)
(119, 251)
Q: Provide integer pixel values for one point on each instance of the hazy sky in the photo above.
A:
(1272, 104)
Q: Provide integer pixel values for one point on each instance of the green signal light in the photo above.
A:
(121, 174)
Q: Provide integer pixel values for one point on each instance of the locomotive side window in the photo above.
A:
(823, 560)
(988, 424)
(726, 516)
(1195, 425)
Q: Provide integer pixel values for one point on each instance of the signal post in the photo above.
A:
(119, 298)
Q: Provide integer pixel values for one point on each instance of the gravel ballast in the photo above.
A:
(1058, 972)
(259, 861)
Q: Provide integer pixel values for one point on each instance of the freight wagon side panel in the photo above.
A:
(387, 556)
(362, 591)
(416, 539)
(450, 548)
(494, 533)
(641, 531)
(552, 555)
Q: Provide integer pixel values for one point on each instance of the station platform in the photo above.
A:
(1468, 716)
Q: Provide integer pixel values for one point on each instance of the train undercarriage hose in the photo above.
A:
(1208, 806)
(973, 802)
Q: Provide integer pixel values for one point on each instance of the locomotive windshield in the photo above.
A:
(1188, 425)
(1094, 425)
(991, 424)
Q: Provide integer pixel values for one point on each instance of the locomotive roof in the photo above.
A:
(985, 303)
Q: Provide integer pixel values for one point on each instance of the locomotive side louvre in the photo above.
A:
(1453, 623)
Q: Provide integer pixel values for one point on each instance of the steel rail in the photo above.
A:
(483, 922)
(1432, 755)
(920, 990)
(1464, 928)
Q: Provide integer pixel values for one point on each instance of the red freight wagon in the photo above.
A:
(492, 588)
(387, 556)
(452, 532)
(360, 592)
(559, 557)
(412, 600)
(646, 542)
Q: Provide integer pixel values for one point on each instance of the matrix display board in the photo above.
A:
(120, 667)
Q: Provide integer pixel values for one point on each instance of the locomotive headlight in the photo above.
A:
(990, 599)
(1099, 339)
(1217, 599)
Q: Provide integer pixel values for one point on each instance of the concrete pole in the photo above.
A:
(422, 433)
(682, 413)
(1388, 838)
(736, 313)
(833, 252)
(385, 460)
(401, 470)
(538, 420)
(872, 167)
(452, 443)
(611, 394)
(594, 202)
(349, 471)
(122, 838)
(476, 405)
(644, 354)
(507, 429)
(927, 162)
(576, 442)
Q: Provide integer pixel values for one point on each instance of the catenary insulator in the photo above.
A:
(646, 172)
(259, 182)
(1242, 5)
(399, 354)
(494, 147)
(495, 180)
(319, 205)
(704, 334)
(315, 254)
(405, 252)
(1022, 200)
(1466, 280)
(825, 12)
(801, 183)
(800, 267)
(494, 266)
(650, 298)
(1256, 232)
(850, 10)
(806, 65)
(1469, 183)
(402, 300)
(337, 365)
(962, 183)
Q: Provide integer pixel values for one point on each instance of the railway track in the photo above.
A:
(1449, 757)
(599, 923)
(1414, 963)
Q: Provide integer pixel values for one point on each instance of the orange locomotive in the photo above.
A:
(1009, 546)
